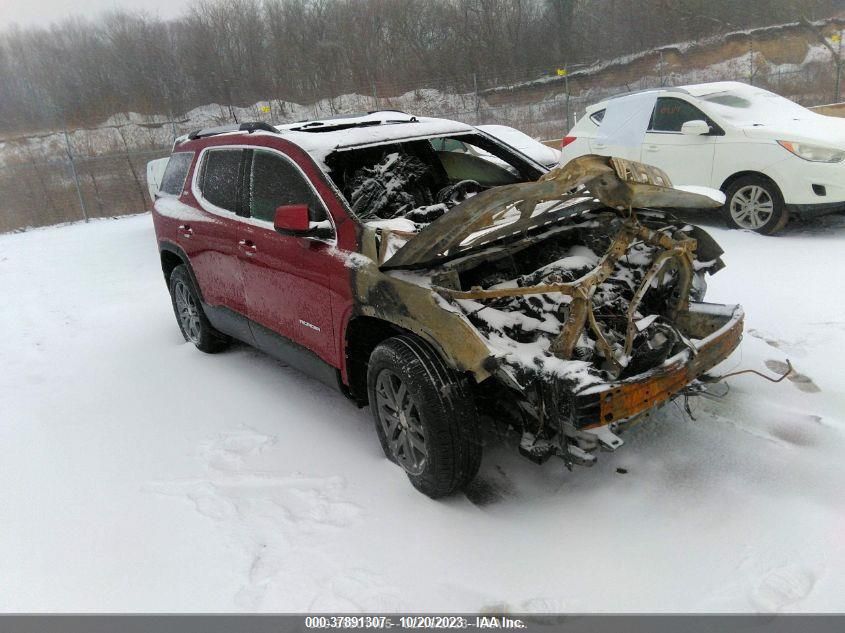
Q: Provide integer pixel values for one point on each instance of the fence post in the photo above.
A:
(660, 69)
(566, 87)
(475, 88)
(75, 176)
(838, 69)
(750, 60)
(172, 126)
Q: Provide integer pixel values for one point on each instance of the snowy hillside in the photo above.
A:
(138, 474)
(786, 58)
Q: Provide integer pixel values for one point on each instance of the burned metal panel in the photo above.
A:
(515, 209)
(417, 309)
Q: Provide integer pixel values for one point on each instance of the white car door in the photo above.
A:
(687, 158)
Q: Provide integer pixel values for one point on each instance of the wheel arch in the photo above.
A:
(361, 335)
(743, 174)
(172, 256)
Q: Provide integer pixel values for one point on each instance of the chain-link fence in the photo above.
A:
(77, 188)
(68, 176)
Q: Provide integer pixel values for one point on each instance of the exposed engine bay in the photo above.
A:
(528, 327)
(586, 293)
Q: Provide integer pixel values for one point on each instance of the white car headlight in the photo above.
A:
(814, 153)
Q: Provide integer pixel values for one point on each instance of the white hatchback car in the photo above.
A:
(770, 156)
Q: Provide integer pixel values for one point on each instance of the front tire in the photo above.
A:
(424, 415)
(755, 204)
(192, 321)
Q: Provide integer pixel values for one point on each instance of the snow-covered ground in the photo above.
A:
(138, 474)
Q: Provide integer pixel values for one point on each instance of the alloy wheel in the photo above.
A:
(751, 207)
(400, 422)
(189, 315)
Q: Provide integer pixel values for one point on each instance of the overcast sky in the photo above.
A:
(43, 12)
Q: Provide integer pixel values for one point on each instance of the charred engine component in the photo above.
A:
(615, 309)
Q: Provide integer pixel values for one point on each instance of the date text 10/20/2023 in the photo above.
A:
(413, 622)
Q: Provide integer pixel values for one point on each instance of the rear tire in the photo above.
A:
(192, 321)
(424, 415)
(755, 203)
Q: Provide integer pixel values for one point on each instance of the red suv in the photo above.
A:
(427, 269)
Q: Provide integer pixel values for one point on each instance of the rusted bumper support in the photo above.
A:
(715, 331)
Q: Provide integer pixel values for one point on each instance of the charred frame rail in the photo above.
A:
(581, 290)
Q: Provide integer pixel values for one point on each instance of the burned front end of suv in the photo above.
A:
(574, 303)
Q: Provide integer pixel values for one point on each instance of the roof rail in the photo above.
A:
(248, 127)
(387, 110)
(345, 124)
(257, 126)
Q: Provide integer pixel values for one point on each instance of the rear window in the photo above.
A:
(175, 173)
(219, 179)
(596, 117)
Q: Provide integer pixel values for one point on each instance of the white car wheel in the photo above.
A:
(752, 207)
(755, 204)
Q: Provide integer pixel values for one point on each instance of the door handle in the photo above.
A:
(599, 145)
(652, 148)
(248, 247)
(186, 230)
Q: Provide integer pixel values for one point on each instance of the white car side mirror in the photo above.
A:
(695, 128)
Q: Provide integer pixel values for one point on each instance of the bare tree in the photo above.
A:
(237, 52)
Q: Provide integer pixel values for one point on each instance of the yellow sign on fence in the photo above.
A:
(561, 72)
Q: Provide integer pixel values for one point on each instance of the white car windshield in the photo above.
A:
(751, 106)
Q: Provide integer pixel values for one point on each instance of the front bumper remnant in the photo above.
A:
(715, 331)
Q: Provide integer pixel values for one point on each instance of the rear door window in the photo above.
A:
(670, 114)
(219, 178)
(274, 182)
(175, 173)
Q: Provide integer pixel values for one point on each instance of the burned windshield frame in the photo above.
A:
(527, 168)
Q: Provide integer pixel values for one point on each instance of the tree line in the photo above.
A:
(237, 52)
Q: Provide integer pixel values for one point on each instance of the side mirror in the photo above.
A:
(292, 219)
(695, 128)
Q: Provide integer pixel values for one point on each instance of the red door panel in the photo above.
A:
(210, 242)
(214, 256)
(213, 236)
(288, 288)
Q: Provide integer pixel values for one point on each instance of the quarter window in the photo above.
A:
(597, 117)
(274, 182)
(219, 179)
(175, 173)
(670, 114)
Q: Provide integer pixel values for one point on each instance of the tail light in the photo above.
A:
(567, 140)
